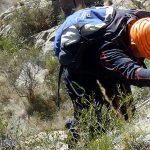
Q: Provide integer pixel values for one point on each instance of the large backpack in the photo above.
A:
(78, 27)
(81, 29)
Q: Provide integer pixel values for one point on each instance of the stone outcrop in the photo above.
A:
(6, 4)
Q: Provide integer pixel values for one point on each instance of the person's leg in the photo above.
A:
(99, 102)
(84, 92)
(121, 97)
(74, 88)
(127, 107)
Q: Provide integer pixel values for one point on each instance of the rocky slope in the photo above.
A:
(5, 4)
(15, 106)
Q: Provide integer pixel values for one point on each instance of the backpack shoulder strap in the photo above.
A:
(58, 86)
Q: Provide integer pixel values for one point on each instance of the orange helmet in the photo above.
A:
(140, 34)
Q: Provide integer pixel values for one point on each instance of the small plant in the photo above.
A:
(51, 64)
(7, 44)
(3, 124)
(43, 107)
(112, 125)
(105, 142)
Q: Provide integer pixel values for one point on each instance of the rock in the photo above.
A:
(36, 3)
(146, 140)
(5, 31)
(45, 39)
(6, 4)
(31, 73)
(6, 143)
(54, 138)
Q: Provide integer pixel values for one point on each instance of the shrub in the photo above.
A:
(7, 44)
(28, 21)
(111, 121)
(3, 124)
(21, 65)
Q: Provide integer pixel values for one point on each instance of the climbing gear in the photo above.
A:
(140, 34)
(78, 90)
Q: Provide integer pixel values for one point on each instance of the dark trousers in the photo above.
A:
(79, 85)
(85, 86)
(84, 92)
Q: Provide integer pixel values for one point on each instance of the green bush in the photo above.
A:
(3, 124)
(7, 44)
(43, 107)
(28, 21)
(111, 121)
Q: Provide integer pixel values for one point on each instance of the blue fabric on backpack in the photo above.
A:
(85, 16)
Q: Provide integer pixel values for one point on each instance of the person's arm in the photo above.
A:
(121, 64)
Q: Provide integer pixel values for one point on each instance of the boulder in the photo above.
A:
(45, 39)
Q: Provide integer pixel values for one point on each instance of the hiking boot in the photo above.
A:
(73, 135)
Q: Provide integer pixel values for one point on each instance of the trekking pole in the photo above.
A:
(141, 104)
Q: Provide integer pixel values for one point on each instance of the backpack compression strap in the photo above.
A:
(58, 87)
(72, 84)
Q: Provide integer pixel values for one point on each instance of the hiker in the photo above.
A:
(103, 45)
